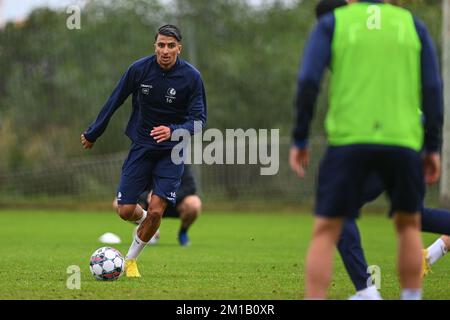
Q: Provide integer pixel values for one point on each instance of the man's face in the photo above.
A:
(167, 49)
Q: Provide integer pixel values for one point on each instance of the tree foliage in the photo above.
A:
(54, 80)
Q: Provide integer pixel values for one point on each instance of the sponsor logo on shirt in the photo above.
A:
(145, 89)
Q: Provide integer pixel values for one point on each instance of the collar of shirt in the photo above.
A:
(174, 67)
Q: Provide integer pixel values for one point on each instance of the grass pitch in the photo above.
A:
(232, 256)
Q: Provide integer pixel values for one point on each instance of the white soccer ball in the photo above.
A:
(107, 264)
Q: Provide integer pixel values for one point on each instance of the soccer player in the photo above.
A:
(381, 74)
(168, 94)
(349, 245)
(188, 206)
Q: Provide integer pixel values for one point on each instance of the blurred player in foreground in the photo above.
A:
(349, 245)
(380, 76)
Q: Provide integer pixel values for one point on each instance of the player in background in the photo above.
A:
(188, 206)
(349, 245)
(373, 127)
(168, 94)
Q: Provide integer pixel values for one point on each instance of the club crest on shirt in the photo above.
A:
(171, 95)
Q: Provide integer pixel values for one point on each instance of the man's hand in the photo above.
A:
(86, 144)
(432, 167)
(299, 160)
(161, 134)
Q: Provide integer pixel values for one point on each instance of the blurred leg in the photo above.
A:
(190, 208)
(410, 250)
(436, 221)
(352, 254)
(436, 251)
(446, 240)
(319, 262)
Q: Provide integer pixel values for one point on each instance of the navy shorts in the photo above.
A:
(344, 172)
(146, 169)
(372, 189)
(187, 188)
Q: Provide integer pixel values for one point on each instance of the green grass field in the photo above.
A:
(232, 256)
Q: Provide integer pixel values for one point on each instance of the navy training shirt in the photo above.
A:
(317, 57)
(174, 98)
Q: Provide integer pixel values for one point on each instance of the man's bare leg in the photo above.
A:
(156, 209)
(132, 213)
(145, 232)
(319, 262)
(409, 255)
(190, 208)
